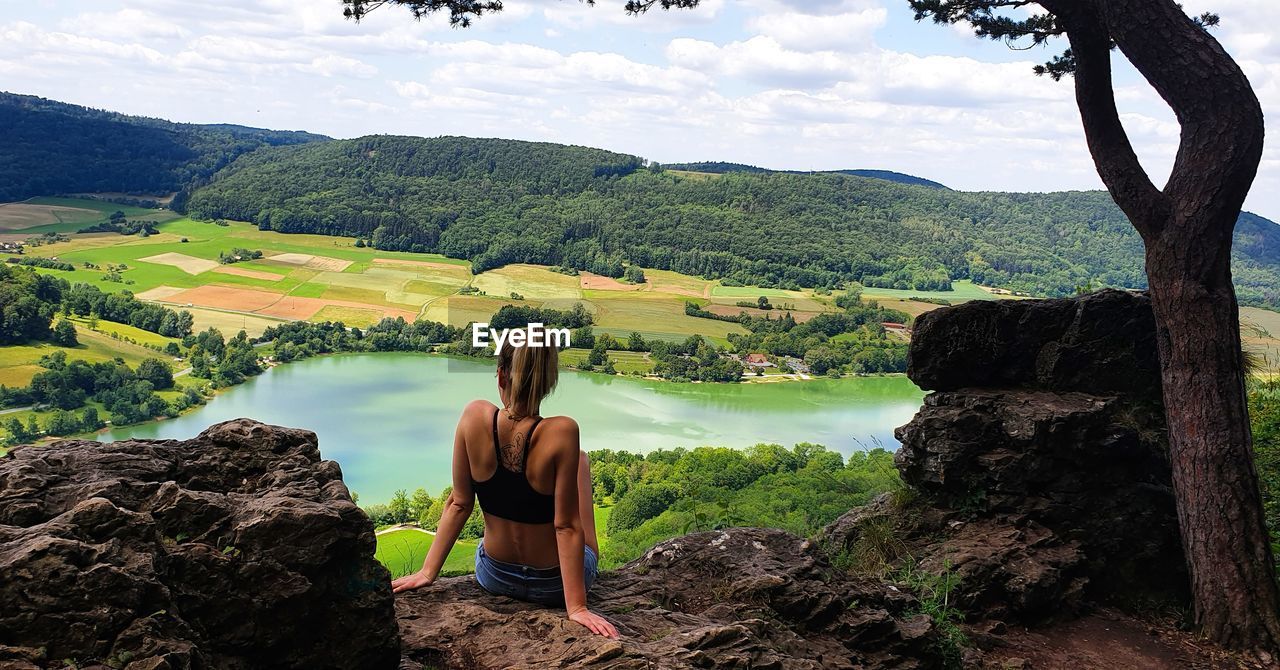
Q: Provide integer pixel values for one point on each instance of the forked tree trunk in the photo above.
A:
(1187, 227)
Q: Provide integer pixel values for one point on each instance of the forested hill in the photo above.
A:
(50, 147)
(720, 167)
(497, 202)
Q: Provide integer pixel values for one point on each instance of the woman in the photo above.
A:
(534, 485)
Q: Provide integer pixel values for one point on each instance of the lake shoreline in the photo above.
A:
(388, 418)
(215, 392)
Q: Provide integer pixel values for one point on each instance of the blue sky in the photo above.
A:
(797, 84)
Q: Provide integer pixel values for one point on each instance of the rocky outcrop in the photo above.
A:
(1037, 482)
(1039, 463)
(240, 548)
(1103, 343)
(739, 598)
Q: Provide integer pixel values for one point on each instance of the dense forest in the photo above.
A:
(497, 202)
(52, 148)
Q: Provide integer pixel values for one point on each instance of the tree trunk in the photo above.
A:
(1187, 227)
(1220, 512)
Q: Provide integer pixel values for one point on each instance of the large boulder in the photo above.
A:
(1102, 343)
(739, 598)
(240, 548)
(1039, 466)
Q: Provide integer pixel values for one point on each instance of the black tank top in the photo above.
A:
(508, 494)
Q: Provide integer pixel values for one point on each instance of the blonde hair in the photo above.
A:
(532, 373)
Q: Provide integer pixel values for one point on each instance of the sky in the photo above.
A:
(784, 84)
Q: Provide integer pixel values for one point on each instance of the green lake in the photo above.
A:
(388, 419)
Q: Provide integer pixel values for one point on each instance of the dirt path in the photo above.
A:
(1108, 639)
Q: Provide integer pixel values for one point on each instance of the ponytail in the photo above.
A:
(532, 373)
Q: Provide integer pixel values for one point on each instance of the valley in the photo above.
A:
(322, 278)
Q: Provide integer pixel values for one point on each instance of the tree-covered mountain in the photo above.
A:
(50, 148)
(720, 167)
(497, 202)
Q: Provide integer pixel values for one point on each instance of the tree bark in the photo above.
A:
(1220, 512)
(1187, 227)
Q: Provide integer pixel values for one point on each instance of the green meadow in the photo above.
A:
(403, 550)
(18, 362)
(108, 341)
(962, 290)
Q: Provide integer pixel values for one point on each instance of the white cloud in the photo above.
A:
(850, 31)
(883, 75)
(126, 23)
(330, 65)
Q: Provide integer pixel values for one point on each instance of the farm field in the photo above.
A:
(962, 290)
(318, 278)
(322, 278)
(67, 215)
(18, 362)
(230, 322)
(625, 362)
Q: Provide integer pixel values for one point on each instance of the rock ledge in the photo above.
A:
(239, 548)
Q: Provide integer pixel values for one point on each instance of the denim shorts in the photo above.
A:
(536, 585)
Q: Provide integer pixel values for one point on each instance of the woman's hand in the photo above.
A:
(417, 580)
(595, 623)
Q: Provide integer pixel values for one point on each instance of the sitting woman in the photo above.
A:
(534, 485)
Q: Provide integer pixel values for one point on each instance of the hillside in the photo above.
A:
(51, 148)
(720, 167)
(497, 202)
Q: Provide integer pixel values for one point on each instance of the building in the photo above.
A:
(757, 361)
(796, 364)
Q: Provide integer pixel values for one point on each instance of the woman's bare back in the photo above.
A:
(505, 540)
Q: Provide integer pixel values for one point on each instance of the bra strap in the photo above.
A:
(496, 448)
(528, 441)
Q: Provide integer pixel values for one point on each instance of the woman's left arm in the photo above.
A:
(570, 540)
(457, 510)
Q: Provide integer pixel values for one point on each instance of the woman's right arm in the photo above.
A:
(457, 510)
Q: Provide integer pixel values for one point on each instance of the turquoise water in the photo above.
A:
(388, 419)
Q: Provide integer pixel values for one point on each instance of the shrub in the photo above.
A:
(64, 334)
(642, 503)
